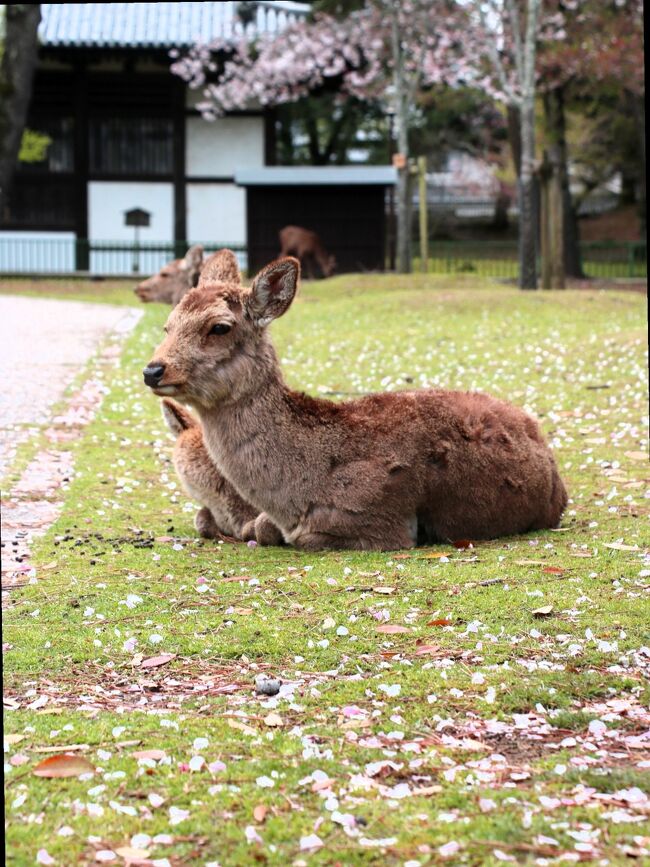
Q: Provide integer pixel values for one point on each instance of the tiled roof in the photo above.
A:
(136, 25)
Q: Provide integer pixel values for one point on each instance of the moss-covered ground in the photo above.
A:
(466, 706)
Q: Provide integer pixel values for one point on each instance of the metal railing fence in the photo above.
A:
(52, 256)
(59, 256)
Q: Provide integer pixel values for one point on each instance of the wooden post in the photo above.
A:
(552, 223)
(424, 230)
(556, 222)
(543, 175)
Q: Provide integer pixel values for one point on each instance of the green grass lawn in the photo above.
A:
(438, 706)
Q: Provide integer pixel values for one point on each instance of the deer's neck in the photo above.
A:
(251, 438)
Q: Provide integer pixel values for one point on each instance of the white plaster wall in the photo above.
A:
(218, 148)
(107, 202)
(37, 252)
(216, 213)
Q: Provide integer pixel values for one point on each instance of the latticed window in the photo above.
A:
(130, 146)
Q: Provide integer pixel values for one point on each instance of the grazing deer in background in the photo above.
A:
(223, 512)
(308, 248)
(176, 278)
(383, 472)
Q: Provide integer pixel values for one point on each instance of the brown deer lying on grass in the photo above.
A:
(176, 278)
(308, 248)
(223, 512)
(383, 472)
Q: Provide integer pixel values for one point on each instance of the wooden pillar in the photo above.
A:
(81, 170)
(424, 229)
(179, 146)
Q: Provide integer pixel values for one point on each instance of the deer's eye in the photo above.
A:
(220, 328)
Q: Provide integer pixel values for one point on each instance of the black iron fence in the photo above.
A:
(67, 256)
(610, 259)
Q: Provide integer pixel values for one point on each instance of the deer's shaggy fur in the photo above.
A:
(384, 472)
(223, 512)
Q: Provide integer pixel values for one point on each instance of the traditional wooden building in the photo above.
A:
(126, 135)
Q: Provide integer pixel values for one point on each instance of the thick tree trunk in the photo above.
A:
(556, 134)
(16, 72)
(403, 209)
(528, 225)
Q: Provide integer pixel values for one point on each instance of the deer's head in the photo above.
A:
(330, 266)
(173, 279)
(216, 348)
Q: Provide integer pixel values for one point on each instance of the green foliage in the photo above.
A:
(33, 146)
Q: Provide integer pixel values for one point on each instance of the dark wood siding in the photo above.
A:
(349, 220)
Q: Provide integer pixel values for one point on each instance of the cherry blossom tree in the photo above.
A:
(384, 52)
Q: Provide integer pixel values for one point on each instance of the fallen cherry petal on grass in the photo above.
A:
(155, 661)
(44, 857)
(63, 765)
(313, 841)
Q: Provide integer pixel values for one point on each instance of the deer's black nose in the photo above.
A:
(153, 373)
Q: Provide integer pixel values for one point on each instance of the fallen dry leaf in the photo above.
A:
(529, 562)
(461, 544)
(637, 456)
(392, 628)
(149, 754)
(242, 727)
(386, 590)
(619, 546)
(259, 813)
(427, 649)
(554, 570)
(236, 578)
(544, 611)
(65, 748)
(63, 765)
(440, 621)
(155, 661)
(131, 855)
(243, 611)
(14, 738)
(273, 719)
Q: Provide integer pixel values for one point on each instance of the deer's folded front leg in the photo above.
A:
(263, 531)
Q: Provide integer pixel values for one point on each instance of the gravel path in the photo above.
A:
(44, 343)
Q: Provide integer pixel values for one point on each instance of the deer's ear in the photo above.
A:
(193, 258)
(273, 290)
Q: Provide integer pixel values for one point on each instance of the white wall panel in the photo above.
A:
(218, 148)
(108, 200)
(216, 213)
